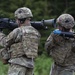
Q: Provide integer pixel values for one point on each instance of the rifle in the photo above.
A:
(7, 23)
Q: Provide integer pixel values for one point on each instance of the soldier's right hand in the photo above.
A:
(57, 31)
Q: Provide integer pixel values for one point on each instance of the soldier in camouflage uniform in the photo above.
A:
(23, 43)
(62, 49)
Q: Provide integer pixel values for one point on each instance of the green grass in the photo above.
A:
(42, 66)
(3, 69)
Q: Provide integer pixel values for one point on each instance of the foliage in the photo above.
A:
(3, 69)
(41, 9)
(44, 36)
(42, 65)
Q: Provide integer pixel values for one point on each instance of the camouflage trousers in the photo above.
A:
(58, 70)
(19, 70)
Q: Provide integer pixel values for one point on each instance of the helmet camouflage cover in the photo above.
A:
(23, 12)
(65, 20)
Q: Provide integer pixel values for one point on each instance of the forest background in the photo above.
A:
(41, 9)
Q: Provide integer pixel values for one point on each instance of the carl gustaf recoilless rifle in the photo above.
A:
(7, 23)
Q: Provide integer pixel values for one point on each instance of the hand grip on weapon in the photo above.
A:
(57, 31)
(64, 34)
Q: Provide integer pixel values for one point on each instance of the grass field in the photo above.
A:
(3, 69)
(42, 66)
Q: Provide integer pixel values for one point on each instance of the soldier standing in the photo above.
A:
(61, 48)
(23, 43)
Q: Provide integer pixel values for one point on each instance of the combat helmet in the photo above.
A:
(65, 20)
(23, 12)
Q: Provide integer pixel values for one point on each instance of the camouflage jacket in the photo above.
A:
(61, 49)
(23, 42)
(2, 40)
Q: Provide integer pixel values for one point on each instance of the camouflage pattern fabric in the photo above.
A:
(23, 61)
(19, 70)
(2, 40)
(23, 12)
(4, 55)
(65, 20)
(62, 50)
(58, 70)
(26, 40)
(23, 42)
